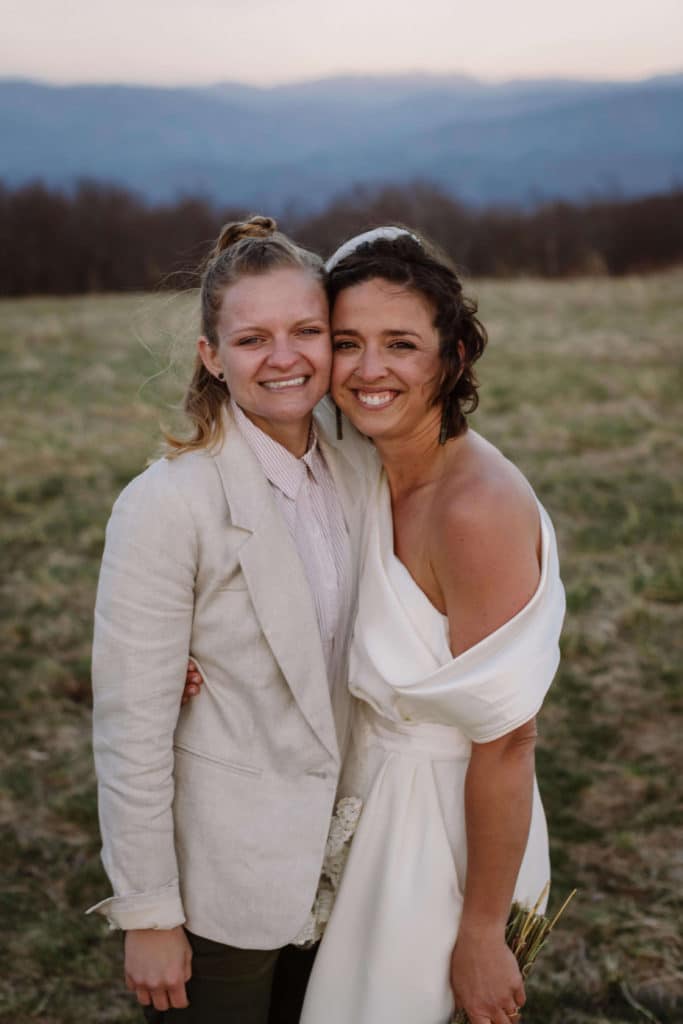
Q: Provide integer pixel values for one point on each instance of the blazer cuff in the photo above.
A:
(159, 908)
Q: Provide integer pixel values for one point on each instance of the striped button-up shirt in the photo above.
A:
(304, 492)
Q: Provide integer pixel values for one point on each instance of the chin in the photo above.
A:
(368, 425)
(291, 406)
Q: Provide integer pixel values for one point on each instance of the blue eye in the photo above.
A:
(340, 346)
(248, 341)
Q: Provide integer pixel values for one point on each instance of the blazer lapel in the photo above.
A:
(347, 477)
(277, 583)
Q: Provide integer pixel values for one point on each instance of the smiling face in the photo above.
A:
(386, 360)
(274, 349)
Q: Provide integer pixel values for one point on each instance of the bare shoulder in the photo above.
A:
(484, 492)
(486, 544)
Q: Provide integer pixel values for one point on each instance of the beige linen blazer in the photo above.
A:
(216, 814)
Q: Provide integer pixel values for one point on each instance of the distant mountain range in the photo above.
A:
(516, 142)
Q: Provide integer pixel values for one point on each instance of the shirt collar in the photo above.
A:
(281, 468)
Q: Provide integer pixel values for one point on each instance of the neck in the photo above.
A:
(412, 461)
(292, 436)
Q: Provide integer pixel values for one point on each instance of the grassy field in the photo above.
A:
(581, 387)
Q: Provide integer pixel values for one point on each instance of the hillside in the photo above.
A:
(514, 142)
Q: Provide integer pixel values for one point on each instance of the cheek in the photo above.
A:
(430, 375)
(237, 367)
(321, 357)
(339, 375)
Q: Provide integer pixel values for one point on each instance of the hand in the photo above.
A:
(193, 682)
(157, 966)
(486, 981)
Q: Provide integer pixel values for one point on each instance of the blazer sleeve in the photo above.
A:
(143, 620)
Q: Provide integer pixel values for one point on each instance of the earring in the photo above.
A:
(338, 418)
(443, 433)
(221, 377)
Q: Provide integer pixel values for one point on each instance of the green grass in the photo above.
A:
(581, 389)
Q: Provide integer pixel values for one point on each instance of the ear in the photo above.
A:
(461, 357)
(209, 356)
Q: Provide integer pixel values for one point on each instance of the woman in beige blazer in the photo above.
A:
(214, 816)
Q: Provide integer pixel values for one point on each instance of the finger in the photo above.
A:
(503, 1017)
(509, 1015)
(144, 997)
(178, 997)
(160, 999)
(511, 1008)
(519, 995)
(191, 665)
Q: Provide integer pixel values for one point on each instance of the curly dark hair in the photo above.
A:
(417, 264)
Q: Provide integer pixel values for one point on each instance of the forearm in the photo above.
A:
(143, 620)
(133, 748)
(138, 666)
(498, 803)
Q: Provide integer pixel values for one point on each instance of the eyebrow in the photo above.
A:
(310, 320)
(260, 327)
(389, 332)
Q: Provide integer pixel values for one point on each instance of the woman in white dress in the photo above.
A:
(455, 645)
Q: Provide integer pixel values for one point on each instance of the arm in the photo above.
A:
(143, 619)
(489, 574)
(498, 795)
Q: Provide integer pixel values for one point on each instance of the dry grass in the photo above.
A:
(581, 388)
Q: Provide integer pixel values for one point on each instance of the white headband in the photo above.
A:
(368, 236)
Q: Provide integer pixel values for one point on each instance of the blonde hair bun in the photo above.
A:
(255, 227)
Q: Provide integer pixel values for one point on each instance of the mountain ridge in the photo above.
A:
(485, 143)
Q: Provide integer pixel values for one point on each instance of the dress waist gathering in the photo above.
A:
(422, 740)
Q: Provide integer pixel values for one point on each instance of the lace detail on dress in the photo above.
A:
(342, 828)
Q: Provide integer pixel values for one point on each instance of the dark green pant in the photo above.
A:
(241, 986)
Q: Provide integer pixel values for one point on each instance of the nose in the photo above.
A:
(370, 365)
(283, 353)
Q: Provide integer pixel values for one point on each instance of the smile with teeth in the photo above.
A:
(375, 399)
(280, 385)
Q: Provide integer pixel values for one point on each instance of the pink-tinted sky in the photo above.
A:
(268, 41)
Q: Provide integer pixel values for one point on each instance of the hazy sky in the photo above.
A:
(267, 41)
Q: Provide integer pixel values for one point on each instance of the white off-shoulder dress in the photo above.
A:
(384, 958)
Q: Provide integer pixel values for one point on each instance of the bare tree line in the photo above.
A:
(100, 237)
